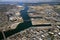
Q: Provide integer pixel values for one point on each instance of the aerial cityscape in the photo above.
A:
(30, 21)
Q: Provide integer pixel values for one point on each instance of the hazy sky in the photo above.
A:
(30, 0)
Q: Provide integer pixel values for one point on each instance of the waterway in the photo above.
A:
(26, 24)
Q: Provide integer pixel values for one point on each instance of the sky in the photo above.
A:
(30, 0)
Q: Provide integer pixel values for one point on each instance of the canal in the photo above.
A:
(26, 24)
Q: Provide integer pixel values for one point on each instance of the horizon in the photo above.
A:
(29, 1)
